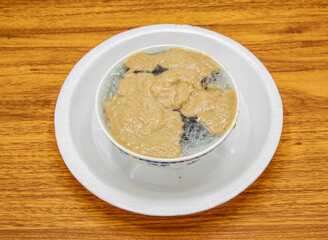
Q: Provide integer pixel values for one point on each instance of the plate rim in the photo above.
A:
(80, 171)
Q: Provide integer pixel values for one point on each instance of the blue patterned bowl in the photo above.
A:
(163, 35)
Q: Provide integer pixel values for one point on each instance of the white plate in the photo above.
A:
(123, 182)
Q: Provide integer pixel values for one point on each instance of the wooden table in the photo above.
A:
(40, 42)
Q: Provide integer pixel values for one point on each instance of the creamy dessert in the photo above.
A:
(169, 104)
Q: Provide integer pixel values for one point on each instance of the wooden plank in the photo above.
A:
(40, 42)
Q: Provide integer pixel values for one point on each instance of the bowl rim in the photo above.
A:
(156, 159)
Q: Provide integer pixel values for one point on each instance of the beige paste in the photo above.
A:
(141, 113)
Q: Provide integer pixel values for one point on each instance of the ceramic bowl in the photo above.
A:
(198, 42)
(223, 174)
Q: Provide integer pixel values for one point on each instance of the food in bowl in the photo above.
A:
(168, 102)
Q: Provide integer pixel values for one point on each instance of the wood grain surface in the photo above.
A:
(40, 42)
